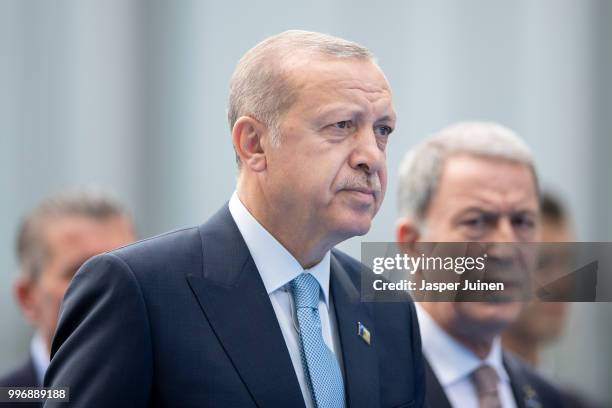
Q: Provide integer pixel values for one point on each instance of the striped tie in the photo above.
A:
(485, 380)
(320, 364)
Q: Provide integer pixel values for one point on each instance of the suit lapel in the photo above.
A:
(359, 358)
(435, 395)
(521, 389)
(234, 300)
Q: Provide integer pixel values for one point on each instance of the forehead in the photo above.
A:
(490, 183)
(331, 77)
(67, 235)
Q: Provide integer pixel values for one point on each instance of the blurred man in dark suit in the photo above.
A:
(472, 182)
(255, 308)
(53, 241)
(542, 322)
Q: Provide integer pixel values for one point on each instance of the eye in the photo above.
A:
(383, 130)
(344, 124)
(477, 222)
(523, 221)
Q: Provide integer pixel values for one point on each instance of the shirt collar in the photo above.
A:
(276, 265)
(450, 360)
(40, 356)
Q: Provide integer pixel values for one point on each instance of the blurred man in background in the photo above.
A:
(53, 241)
(472, 182)
(542, 322)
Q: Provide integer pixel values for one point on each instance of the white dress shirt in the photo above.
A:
(453, 364)
(278, 268)
(40, 357)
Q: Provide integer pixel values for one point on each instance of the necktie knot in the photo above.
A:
(305, 290)
(485, 380)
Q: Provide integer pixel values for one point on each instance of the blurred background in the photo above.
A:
(130, 96)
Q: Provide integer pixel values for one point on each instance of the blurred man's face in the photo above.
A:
(543, 321)
(487, 200)
(71, 241)
(328, 175)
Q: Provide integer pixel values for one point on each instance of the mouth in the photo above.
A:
(363, 195)
(363, 190)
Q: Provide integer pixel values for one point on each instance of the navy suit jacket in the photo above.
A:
(184, 320)
(22, 376)
(530, 390)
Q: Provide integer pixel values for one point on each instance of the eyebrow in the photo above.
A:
(474, 209)
(387, 118)
(335, 110)
(352, 112)
(495, 212)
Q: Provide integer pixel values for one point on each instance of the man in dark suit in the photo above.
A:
(255, 307)
(540, 323)
(473, 182)
(53, 241)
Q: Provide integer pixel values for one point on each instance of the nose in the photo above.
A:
(508, 257)
(367, 154)
(504, 231)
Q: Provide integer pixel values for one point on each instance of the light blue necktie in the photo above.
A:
(320, 364)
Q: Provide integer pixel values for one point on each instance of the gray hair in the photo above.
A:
(422, 165)
(32, 249)
(260, 86)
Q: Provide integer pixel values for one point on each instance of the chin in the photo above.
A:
(496, 316)
(355, 227)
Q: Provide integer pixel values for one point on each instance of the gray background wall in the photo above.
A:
(130, 96)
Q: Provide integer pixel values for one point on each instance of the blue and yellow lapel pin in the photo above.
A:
(531, 397)
(364, 333)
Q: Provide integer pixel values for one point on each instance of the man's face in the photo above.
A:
(328, 174)
(487, 200)
(70, 242)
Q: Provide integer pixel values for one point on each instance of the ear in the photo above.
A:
(24, 291)
(247, 139)
(406, 234)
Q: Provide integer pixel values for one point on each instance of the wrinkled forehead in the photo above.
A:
(488, 181)
(353, 84)
(306, 70)
(75, 231)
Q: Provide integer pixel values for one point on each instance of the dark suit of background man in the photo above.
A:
(255, 307)
(473, 182)
(53, 241)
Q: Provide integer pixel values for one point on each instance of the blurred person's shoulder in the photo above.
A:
(23, 375)
(568, 397)
(530, 386)
(575, 399)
